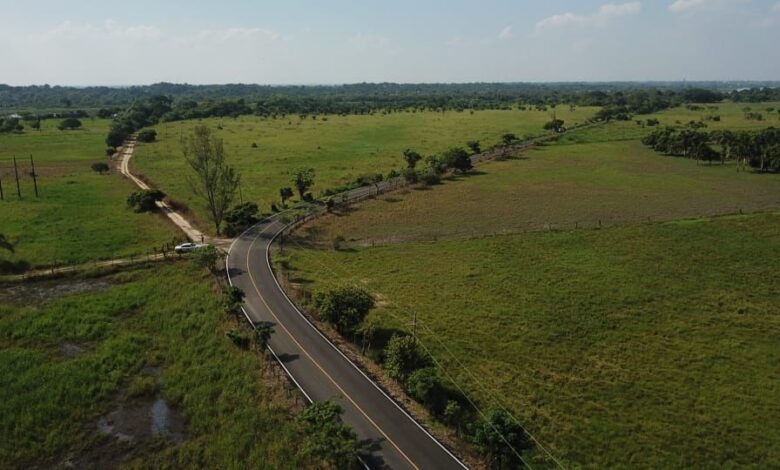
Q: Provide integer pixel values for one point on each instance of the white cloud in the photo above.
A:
(605, 13)
(688, 6)
(241, 34)
(108, 28)
(506, 33)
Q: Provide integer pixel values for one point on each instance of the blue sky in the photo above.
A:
(81, 42)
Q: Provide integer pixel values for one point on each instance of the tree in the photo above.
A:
(215, 181)
(206, 257)
(285, 193)
(474, 146)
(402, 357)
(240, 217)
(116, 136)
(144, 200)
(458, 159)
(262, 333)
(426, 387)
(100, 167)
(10, 125)
(554, 125)
(508, 139)
(303, 179)
(328, 439)
(147, 135)
(344, 307)
(232, 299)
(453, 415)
(69, 124)
(500, 438)
(411, 176)
(411, 157)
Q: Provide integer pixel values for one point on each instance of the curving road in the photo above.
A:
(320, 370)
(317, 367)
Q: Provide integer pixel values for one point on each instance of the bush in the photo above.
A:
(69, 124)
(239, 339)
(110, 151)
(425, 386)
(144, 201)
(240, 217)
(147, 135)
(402, 357)
(328, 439)
(430, 176)
(100, 167)
(411, 176)
(206, 257)
(344, 307)
(458, 159)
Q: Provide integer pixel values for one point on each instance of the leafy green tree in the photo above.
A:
(508, 139)
(411, 157)
(501, 439)
(344, 307)
(144, 200)
(458, 159)
(426, 386)
(402, 357)
(285, 193)
(232, 299)
(474, 146)
(453, 415)
(411, 176)
(262, 334)
(206, 257)
(240, 217)
(328, 439)
(214, 181)
(554, 125)
(100, 167)
(303, 179)
(69, 124)
(10, 125)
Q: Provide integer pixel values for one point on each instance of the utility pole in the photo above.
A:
(16, 173)
(34, 176)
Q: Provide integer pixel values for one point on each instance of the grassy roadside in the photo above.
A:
(648, 345)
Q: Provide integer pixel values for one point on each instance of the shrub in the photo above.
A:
(110, 151)
(239, 339)
(69, 124)
(411, 176)
(144, 200)
(100, 167)
(344, 307)
(206, 257)
(430, 176)
(240, 217)
(425, 386)
(147, 135)
(328, 439)
(402, 357)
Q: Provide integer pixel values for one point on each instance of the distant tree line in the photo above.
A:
(367, 97)
(758, 149)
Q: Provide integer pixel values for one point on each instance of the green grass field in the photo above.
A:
(339, 149)
(80, 216)
(641, 346)
(560, 186)
(121, 343)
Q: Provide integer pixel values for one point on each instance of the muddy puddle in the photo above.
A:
(143, 421)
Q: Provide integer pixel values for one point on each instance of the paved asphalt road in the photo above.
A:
(317, 366)
(320, 369)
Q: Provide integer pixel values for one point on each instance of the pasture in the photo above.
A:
(86, 361)
(647, 345)
(80, 215)
(339, 148)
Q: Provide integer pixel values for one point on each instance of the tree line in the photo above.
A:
(352, 98)
(497, 435)
(758, 149)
